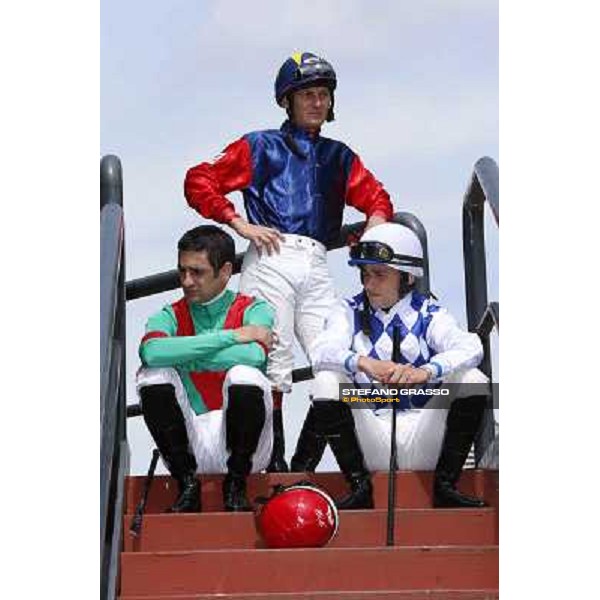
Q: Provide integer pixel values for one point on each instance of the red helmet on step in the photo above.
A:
(301, 515)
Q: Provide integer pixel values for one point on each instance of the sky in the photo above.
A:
(417, 99)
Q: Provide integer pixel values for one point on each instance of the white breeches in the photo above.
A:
(297, 283)
(419, 432)
(206, 432)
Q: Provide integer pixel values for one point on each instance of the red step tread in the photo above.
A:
(363, 595)
(318, 570)
(413, 488)
(413, 527)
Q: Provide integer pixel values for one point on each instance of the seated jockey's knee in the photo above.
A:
(474, 376)
(245, 375)
(156, 376)
(469, 382)
(326, 385)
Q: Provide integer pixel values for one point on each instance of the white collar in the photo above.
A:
(401, 308)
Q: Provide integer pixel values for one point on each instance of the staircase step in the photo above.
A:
(309, 570)
(363, 595)
(413, 488)
(359, 528)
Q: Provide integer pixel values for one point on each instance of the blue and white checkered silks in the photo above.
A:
(413, 319)
(429, 335)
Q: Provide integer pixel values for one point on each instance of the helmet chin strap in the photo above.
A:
(365, 317)
(330, 113)
(406, 286)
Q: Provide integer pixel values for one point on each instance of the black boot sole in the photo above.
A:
(193, 507)
(356, 501)
(238, 509)
(278, 466)
(189, 500)
(186, 509)
(455, 499)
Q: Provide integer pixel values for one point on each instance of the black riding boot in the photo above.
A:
(335, 420)
(166, 423)
(462, 424)
(277, 463)
(244, 420)
(310, 447)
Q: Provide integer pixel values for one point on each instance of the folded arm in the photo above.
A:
(210, 351)
(161, 347)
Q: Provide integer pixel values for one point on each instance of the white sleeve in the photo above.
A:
(331, 350)
(454, 348)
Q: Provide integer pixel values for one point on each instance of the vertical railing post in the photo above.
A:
(114, 452)
(475, 263)
(482, 187)
(111, 181)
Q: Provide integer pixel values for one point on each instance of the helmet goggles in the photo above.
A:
(321, 69)
(372, 252)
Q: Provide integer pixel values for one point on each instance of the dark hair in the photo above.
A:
(218, 244)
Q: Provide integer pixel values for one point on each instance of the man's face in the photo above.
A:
(382, 285)
(198, 280)
(310, 107)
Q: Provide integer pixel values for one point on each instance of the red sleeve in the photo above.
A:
(206, 184)
(150, 336)
(153, 334)
(366, 194)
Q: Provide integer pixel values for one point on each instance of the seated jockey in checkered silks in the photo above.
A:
(203, 390)
(434, 431)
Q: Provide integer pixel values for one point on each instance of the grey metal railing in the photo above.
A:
(169, 280)
(481, 317)
(114, 451)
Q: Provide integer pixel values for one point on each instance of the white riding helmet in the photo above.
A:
(392, 244)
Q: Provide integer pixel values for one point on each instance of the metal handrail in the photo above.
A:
(169, 280)
(490, 320)
(111, 242)
(114, 451)
(111, 181)
(483, 189)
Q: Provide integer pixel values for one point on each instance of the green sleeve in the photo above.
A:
(176, 351)
(252, 354)
(259, 312)
(163, 321)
